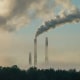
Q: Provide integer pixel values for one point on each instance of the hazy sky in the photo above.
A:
(18, 26)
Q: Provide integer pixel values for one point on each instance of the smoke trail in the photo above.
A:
(17, 13)
(63, 18)
(68, 14)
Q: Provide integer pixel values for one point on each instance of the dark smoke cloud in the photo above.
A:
(15, 13)
(11, 16)
(61, 19)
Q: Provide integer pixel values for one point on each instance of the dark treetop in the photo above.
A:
(14, 73)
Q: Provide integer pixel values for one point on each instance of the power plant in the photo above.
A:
(35, 53)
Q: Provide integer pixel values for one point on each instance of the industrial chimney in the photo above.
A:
(30, 59)
(46, 50)
(35, 52)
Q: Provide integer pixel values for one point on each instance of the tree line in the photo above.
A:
(14, 73)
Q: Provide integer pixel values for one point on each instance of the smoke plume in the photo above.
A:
(17, 13)
(68, 14)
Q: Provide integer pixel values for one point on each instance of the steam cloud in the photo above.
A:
(68, 14)
(17, 13)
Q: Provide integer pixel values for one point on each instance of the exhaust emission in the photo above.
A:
(73, 17)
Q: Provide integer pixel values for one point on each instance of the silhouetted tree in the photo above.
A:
(14, 73)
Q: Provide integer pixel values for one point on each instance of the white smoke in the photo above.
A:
(17, 13)
(68, 14)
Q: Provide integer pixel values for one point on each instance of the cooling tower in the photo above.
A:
(46, 50)
(35, 52)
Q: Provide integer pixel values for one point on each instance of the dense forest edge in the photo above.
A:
(15, 73)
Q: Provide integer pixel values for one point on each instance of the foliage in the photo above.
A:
(14, 73)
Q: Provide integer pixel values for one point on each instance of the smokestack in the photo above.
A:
(30, 59)
(46, 50)
(35, 52)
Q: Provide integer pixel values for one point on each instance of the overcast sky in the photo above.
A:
(18, 25)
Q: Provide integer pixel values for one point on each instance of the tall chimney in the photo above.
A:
(30, 59)
(35, 52)
(46, 50)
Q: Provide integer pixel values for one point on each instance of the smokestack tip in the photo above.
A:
(35, 40)
(46, 41)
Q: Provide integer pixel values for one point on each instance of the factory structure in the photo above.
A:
(46, 50)
(35, 53)
(30, 59)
